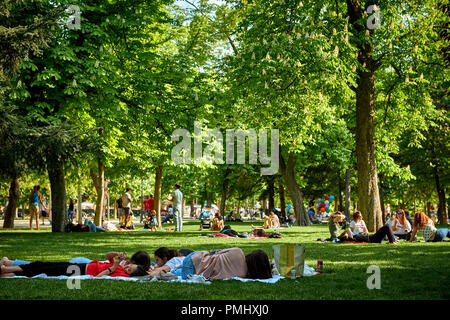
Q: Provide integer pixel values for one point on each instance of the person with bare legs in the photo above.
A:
(35, 200)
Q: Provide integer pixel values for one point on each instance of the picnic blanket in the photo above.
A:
(308, 271)
(274, 279)
(222, 235)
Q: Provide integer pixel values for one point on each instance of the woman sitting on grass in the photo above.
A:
(227, 263)
(270, 222)
(217, 222)
(400, 225)
(360, 232)
(117, 266)
(426, 226)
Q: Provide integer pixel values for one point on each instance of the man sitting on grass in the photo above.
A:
(336, 221)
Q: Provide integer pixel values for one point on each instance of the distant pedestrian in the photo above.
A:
(126, 207)
(149, 205)
(177, 198)
(70, 211)
(44, 213)
(35, 200)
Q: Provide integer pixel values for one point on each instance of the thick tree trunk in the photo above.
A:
(105, 200)
(282, 196)
(193, 209)
(99, 184)
(368, 194)
(157, 192)
(10, 213)
(442, 210)
(271, 192)
(208, 196)
(288, 171)
(55, 168)
(264, 205)
(79, 207)
(383, 214)
(246, 206)
(340, 206)
(223, 198)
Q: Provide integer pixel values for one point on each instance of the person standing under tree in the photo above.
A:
(126, 207)
(149, 205)
(177, 198)
(35, 200)
(71, 210)
(45, 213)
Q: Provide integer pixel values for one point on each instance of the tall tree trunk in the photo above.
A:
(271, 192)
(10, 213)
(193, 208)
(223, 198)
(382, 197)
(55, 168)
(340, 206)
(288, 171)
(238, 207)
(157, 192)
(368, 194)
(105, 200)
(246, 206)
(282, 196)
(442, 210)
(99, 184)
(79, 206)
(208, 196)
(264, 205)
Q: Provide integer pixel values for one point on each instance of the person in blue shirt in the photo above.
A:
(35, 200)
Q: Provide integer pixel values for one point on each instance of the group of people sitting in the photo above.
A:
(397, 227)
(169, 264)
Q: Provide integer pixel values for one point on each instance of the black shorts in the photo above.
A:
(49, 268)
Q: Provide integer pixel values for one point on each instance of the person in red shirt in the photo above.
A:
(117, 266)
(149, 205)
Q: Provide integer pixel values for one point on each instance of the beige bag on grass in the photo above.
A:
(289, 257)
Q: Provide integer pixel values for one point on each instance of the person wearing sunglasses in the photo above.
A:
(400, 225)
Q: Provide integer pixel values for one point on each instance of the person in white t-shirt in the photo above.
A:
(400, 225)
(167, 261)
(360, 233)
(357, 225)
(275, 220)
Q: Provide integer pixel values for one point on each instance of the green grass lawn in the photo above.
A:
(408, 270)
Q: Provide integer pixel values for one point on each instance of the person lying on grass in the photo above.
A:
(425, 225)
(113, 268)
(360, 233)
(168, 261)
(227, 263)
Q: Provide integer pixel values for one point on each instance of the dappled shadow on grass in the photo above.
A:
(408, 270)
